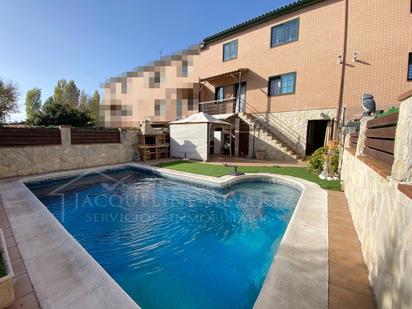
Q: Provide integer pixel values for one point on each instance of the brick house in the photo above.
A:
(287, 78)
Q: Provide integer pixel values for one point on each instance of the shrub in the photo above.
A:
(392, 110)
(334, 162)
(55, 114)
(316, 159)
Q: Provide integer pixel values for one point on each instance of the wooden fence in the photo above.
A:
(94, 136)
(380, 138)
(10, 137)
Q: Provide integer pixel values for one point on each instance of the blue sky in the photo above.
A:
(90, 40)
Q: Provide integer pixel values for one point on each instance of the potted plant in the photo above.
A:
(6, 275)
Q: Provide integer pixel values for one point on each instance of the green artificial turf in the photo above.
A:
(220, 170)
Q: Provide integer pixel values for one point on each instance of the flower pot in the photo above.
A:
(260, 155)
(6, 282)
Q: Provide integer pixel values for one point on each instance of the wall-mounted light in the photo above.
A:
(324, 115)
(340, 59)
(355, 56)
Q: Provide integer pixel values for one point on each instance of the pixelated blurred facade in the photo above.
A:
(161, 91)
(296, 68)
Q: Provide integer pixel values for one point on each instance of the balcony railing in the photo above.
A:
(215, 107)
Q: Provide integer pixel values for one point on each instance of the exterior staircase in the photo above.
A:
(271, 134)
(270, 142)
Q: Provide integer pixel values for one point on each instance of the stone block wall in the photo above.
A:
(298, 122)
(20, 161)
(402, 167)
(382, 216)
(293, 125)
(259, 140)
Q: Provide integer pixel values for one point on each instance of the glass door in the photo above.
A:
(240, 96)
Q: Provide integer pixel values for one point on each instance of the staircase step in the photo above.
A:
(268, 135)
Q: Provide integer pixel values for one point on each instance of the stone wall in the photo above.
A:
(382, 216)
(297, 121)
(19, 161)
(292, 127)
(259, 140)
(402, 167)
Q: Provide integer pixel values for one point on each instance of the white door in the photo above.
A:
(218, 142)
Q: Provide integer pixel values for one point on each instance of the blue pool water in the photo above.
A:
(171, 244)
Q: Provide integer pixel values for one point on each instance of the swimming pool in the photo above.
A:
(171, 244)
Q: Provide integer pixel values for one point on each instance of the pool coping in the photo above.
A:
(66, 275)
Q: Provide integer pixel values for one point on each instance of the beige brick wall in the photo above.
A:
(313, 57)
(380, 31)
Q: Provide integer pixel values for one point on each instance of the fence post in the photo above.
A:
(121, 135)
(66, 136)
(362, 136)
(237, 129)
(402, 165)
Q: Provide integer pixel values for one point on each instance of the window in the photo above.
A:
(120, 110)
(179, 108)
(230, 50)
(124, 85)
(190, 104)
(282, 84)
(219, 93)
(157, 77)
(185, 69)
(410, 67)
(159, 108)
(285, 33)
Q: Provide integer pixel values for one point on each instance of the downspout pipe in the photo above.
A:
(339, 117)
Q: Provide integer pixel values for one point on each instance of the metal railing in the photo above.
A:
(276, 126)
(273, 124)
(215, 107)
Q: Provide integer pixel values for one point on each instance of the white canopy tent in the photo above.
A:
(190, 137)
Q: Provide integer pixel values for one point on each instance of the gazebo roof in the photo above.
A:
(200, 118)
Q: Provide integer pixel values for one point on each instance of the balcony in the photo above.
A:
(225, 106)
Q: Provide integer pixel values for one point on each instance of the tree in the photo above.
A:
(66, 93)
(94, 105)
(84, 101)
(55, 113)
(33, 104)
(72, 94)
(59, 90)
(8, 99)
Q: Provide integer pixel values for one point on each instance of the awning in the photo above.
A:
(231, 73)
